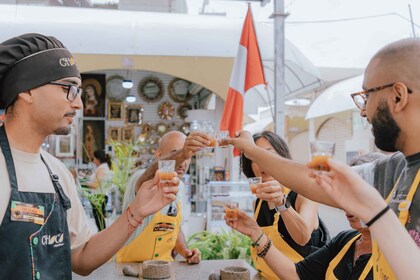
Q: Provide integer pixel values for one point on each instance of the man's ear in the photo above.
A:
(26, 96)
(158, 153)
(399, 96)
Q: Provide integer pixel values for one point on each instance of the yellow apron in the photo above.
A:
(155, 242)
(329, 275)
(382, 269)
(278, 242)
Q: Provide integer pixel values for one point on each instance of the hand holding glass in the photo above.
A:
(321, 151)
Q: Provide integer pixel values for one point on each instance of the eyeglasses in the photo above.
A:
(72, 90)
(360, 98)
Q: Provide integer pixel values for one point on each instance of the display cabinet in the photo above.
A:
(220, 192)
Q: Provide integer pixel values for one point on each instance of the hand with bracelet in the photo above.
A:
(354, 195)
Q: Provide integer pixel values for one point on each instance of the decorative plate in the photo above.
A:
(183, 110)
(179, 90)
(151, 89)
(115, 90)
(166, 111)
(161, 128)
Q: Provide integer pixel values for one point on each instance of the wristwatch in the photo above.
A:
(285, 205)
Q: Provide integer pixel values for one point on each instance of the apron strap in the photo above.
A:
(7, 153)
(65, 201)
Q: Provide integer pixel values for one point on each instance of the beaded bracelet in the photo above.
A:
(380, 214)
(267, 247)
(253, 244)
(132, 227)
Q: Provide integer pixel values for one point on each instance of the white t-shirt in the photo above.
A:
(32, 176)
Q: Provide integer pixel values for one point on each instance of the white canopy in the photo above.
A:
(336, 98)
(117, 32)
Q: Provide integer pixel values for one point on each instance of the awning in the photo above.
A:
(336, 98)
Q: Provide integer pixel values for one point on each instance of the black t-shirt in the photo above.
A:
(266, 218)
(314, 266)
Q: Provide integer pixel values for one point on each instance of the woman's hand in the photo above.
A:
(270, 191)
(244, 224)
(348, 190)
(243, 141)
(153, 195)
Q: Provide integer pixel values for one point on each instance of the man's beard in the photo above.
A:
(65, 130)
(385, 130)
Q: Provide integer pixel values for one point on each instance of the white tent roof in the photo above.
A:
(336, 98)
(101, 31)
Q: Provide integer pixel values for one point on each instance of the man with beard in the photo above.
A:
(390, 102)
(44, 232)
(161, 233)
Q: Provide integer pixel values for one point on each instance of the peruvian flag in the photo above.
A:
(247, 73)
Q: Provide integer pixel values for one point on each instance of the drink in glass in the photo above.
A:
(253, 182)
(321, 151)
(231, 210)
(166, 170)
(224, 134)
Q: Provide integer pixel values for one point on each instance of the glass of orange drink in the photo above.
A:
(231, 210)
(253, 183)
(224, 134)
(321, 151)
(166, 170)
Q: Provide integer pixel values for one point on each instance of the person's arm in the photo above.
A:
(358, 198)
(103, 245)
(191, 255)
(281, 265)
(193, 143)
(289, 173)
(299, 222)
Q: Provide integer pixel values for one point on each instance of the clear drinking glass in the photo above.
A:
(224, 134)
(231, 210)
(166, 170)
(253, 182)
(321, 151)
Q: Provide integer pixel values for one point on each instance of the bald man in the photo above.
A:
(161, 233)
(391, 103)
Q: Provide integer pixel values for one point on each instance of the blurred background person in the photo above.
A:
(98, 183)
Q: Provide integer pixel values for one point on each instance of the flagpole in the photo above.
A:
(279, 66)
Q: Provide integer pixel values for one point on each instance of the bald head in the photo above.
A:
(170, 142)
(398, 62)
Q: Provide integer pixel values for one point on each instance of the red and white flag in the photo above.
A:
(247, 73)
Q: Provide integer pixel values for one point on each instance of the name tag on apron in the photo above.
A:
(26, 212)
(163, 227)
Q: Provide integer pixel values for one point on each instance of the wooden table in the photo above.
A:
(180, 270)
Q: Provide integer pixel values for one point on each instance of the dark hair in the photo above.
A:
(276, 141)
(103, 157)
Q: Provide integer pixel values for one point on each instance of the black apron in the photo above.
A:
(38, 248)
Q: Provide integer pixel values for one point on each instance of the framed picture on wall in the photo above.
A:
(115, 111)
(64, 145)
(93, 95)
(93, 138)
(127, 134)
(114, 134)
(134, 114)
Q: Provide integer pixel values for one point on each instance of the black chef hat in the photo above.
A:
(32, 60)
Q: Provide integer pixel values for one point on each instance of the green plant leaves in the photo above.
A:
(222, 245)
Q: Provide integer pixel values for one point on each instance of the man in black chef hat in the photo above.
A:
(43, 227)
